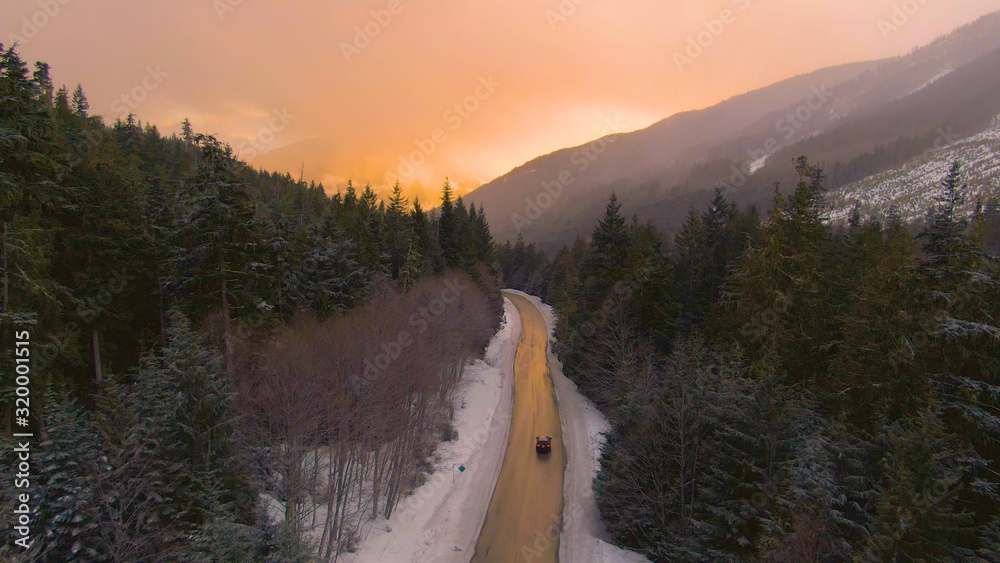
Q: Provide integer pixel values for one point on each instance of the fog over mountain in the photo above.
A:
(856, 120)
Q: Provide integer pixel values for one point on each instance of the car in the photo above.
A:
(543, 445)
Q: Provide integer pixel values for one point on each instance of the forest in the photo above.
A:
(230, 364)
(227, 364)
(783, 389)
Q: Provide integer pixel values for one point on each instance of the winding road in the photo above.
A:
(522, 523)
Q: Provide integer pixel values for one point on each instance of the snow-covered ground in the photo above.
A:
(583, 538)
(913, 187)
(441, 520)
(757, 164)
(944, 72)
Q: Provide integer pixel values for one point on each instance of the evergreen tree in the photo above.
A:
(69, 465)
(80, 104)
(213, 235)
(692, 247)
(776, 305)
(447, 227)
(609, 241)
(399, 233)
(965, 303)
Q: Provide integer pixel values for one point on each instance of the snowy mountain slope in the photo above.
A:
(838, 115)
(912, 187)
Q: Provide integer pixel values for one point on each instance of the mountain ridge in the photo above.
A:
(663, 170)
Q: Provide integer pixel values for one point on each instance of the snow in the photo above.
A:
(441, 520)
(757, 164)
(913, 186)
(583, 538)
(947, 70)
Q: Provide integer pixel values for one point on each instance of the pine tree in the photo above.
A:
(667, 487)
(215, 478)
(777, 302)
(693, 253)
(944, 236)
(69, 464)
(399, 233)
(103, 245)
(187, 132)
(28, 194)
(213, 234)
(482, 237)
(964, 294)
(80, 104)
(874, 364)
(447, 231)
(610, 242)
(42, 81)
(61, 104)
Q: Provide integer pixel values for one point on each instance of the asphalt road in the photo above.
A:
(522, 523)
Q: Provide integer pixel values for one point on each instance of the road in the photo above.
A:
(522, 523)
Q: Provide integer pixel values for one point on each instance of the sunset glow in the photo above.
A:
(381, 89)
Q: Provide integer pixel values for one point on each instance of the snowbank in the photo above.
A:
(442, 519)
(583, 538)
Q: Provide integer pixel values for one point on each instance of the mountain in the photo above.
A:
(910, 187)
(856, 120)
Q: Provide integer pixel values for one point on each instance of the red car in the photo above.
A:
(543, 446)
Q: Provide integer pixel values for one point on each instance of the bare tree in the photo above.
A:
(348, 410)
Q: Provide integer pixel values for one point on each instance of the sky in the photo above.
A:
(418, 90)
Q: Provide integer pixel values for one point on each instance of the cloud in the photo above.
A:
(356, 118)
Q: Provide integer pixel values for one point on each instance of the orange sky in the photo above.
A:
(423, 89)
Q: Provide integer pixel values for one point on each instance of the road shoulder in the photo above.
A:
(583, 538)
(442, 519)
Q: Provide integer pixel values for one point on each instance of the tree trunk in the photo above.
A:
(3, 242)
(98, 373)
(163, 322)
(228, 335)
(281, 301)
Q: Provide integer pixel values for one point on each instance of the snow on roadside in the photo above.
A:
(441, 520)
(583, 538)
